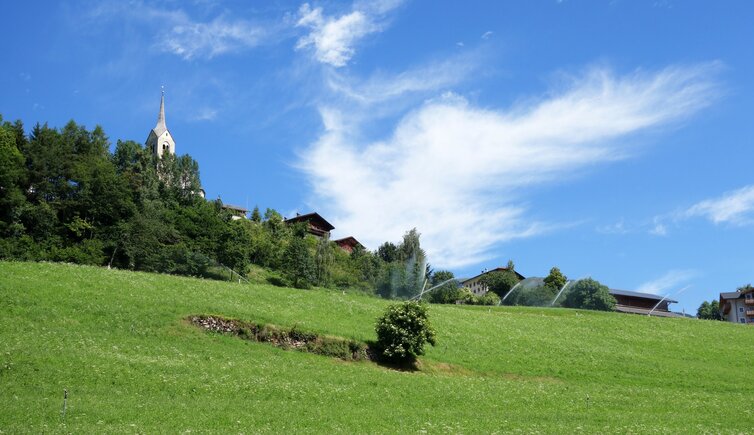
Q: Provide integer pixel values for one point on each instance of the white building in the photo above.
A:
(738, 306)
(160, 140)
(480, 289)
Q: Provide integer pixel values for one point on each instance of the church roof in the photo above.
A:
(161, 127)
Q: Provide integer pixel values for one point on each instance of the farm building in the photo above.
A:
(316, 224)
(348, 244)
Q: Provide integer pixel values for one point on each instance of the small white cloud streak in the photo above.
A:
(205, 114)
(189, 39)
(668, 282)
(456, 171)
(733, 207)
(334, 39)
(177, 33)
(381, 87)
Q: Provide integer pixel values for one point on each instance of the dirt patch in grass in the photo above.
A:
(286, 338)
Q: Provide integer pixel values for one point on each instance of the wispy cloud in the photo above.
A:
(417, 81)
(668, 282)
(175, 31)
(458, 172)
(190, 39)
(205, 114)
(734, 207)
(334, 39)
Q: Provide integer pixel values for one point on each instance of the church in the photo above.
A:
(160, 141)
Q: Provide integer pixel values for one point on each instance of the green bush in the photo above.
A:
(403, 331)
(488, 298)
(589, 294)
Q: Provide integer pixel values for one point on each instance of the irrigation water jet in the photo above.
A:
(509, 292)
(560, 292)
(423, 292)
(665, 297)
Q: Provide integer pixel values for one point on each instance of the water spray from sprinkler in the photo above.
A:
(665, 297)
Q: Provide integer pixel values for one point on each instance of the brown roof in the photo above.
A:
(348, 241)
(312, 218)
(636, 310)
(235, 207)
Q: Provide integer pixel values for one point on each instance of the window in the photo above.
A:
(740, 309)
(742, 320)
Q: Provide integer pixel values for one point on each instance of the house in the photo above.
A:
(642, 303)
(235, 211)
(316, 224)
(348, 244)
(480, 289)
(738, 306)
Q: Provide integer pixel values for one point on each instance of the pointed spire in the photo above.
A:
(161, 116)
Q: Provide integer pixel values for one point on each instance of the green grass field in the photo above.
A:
(119, 342)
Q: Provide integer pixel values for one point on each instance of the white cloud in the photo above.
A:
(421, 80)
(174, 31)
(733, 207)
(205, 114)
(616, 228)
(334, 39)
(658, 228)
(487, 35)
(668, 282)
(458, 172)
(189, 39)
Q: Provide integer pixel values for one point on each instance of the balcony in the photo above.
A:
(749, 301)
(750, 313)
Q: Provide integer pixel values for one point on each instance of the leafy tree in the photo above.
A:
(555, 280)
(12, 174)
(298, 264)
(500, 282)
(447, 293)
(589, 294)
(533, 297)
(402, 332)
(255, 215)
(709, 310)
(323, 261)
(441, 276)
(234, 247)
(388, 252)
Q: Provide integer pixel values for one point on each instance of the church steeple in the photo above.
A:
(160, 140)
(161, 116)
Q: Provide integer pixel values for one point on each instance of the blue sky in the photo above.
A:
(610, 138)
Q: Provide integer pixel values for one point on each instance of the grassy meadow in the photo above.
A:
(119, 343)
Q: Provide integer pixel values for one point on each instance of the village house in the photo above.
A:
(738, 306)
(236, 212)
(316, 224)
(480, 289)
(348, 244)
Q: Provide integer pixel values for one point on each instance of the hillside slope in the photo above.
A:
(119, 343)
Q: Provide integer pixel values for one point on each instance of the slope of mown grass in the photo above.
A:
(119, 343)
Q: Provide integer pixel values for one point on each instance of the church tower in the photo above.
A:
(160, 140)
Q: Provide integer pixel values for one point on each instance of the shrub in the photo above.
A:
(403, 331)
(589, 294)
(489, 298)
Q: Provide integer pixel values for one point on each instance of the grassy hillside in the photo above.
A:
(118, 342)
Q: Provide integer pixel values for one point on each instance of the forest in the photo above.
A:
(65, 197)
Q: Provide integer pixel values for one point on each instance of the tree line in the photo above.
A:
(64, 196)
